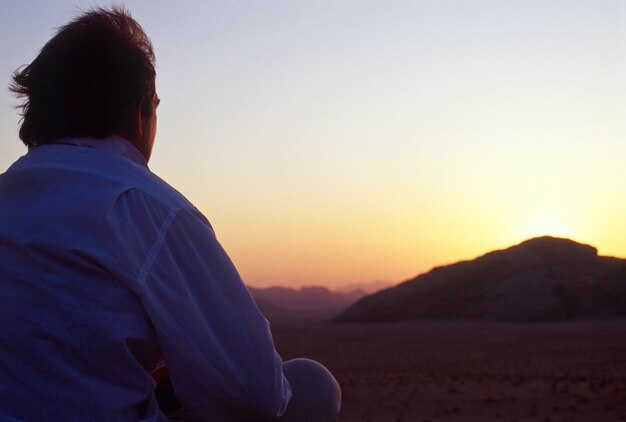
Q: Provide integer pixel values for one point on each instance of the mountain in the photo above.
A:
(541, 279)
(320, 300)
(366, 287)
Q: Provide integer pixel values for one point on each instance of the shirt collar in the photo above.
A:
(112, 144)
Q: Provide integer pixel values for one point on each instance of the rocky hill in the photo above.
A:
(541, 279)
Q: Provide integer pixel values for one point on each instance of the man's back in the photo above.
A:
(60, 296)
(96, 292)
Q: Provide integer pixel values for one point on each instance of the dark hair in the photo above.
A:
(87, 80)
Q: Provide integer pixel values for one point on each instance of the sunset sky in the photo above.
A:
(341, 141)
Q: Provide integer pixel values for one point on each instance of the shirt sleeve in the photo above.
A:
(217, 345)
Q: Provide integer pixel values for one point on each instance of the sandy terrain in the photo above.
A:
(464, 371)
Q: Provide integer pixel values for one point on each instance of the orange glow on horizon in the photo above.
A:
(333, 144)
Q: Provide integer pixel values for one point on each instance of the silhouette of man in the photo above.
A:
(106, 270)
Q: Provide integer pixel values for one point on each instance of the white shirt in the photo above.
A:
(105, 270)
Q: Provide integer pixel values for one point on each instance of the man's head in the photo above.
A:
(94, 78)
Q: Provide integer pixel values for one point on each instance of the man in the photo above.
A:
(105, 270)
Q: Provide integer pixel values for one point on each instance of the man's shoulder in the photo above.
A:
(118, 173)
(163, 192)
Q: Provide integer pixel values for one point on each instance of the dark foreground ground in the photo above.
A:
(464, 371)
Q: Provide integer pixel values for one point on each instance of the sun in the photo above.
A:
(546, 225)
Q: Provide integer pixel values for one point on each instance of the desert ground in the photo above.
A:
(467, 371)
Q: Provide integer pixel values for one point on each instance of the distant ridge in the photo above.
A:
(282, 301)
(541, 279)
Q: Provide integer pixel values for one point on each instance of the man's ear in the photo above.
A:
(138, 122)
(145, 107)
(133, 127)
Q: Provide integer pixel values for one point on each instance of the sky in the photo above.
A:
(335, 142)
